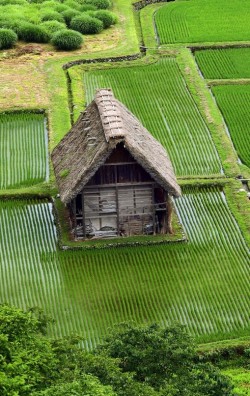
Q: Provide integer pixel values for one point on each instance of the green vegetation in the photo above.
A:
(240, 378)
(7, 38)
(26, 18)
(23, 149)
(196, 283)
(86, 24)
(233, 102)
(224, 63)
(198, 21)
(157, 95)
(67, 40)
(145, 361)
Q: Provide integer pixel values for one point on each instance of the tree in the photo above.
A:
(132, 361)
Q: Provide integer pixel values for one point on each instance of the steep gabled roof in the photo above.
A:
(105, 123)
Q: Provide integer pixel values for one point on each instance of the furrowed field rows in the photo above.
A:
(23, 149)
(197, 283)
(224, 63)
(233, 101)
(194, 21)
(157, 95)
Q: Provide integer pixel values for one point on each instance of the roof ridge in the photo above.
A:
(111, 117)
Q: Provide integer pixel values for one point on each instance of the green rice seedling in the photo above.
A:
(67, 40)
(108, 18)
(8, 38)
(33, 33)
(203, 21)
(224, 63)
(86, 24)
(52, 27)
(23, 150)
(169, 112)
(233, 101)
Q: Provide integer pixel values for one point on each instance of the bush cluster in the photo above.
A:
(7, 38)
(38, 20)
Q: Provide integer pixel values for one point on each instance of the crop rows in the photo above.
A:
(233, 101)
(23, 149)
(224, 63)
(194, 21)
(157, 95)
(197, 283)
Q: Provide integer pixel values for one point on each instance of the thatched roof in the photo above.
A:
(105, 123)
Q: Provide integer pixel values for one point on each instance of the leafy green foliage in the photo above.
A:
(52, 16)
(53, 26)
(101, 4)
(233, 102)
(69, 15)
(7, 38)
(200, 21)
(67, 40)
(224, 63)
(86, 24)
(162, 362)
(108, 18)
(168, 112)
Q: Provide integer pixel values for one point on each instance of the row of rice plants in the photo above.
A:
(224, 63)
(203, 21)
(233, 102)
(23, 149)
(202, 283)
(158, 96)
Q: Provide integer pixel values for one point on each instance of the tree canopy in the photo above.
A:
(133, 360)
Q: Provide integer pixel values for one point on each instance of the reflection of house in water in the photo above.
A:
(115, 178)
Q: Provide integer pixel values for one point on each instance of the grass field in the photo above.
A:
(240, 378)
(224, 63)
(196, 21)
(196, 283)
(233, 102)
(158, 96)
(23, 149)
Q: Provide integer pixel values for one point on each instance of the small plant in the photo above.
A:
(87, 7)
(108, 18)
(86, 24)
(69, 14)
(67, 40)
(7, 38)
(52, 27)
(33, 33)
(72, 4)
(52, 16)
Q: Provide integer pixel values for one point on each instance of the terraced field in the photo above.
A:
(158, 96)
(23, 149)
(195, 21)
(233, 102)
(196, 283)
(224, 63)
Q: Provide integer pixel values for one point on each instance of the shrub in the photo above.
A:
(87, 7)
(72, 4)
(52, 27)
(86, 24)
(67, 40)
(7, 38)
(61, 7)
(100, 4)
(33, 33)
(8, 2)
(69, 14)
(52, 16)
(108, 18)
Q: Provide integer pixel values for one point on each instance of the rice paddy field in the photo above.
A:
(197, 283)
(158, 96)
(195, 21)
(227, 63)
(23, 149)
(233, 101)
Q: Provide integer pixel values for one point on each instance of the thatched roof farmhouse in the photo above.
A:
(112, 173)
